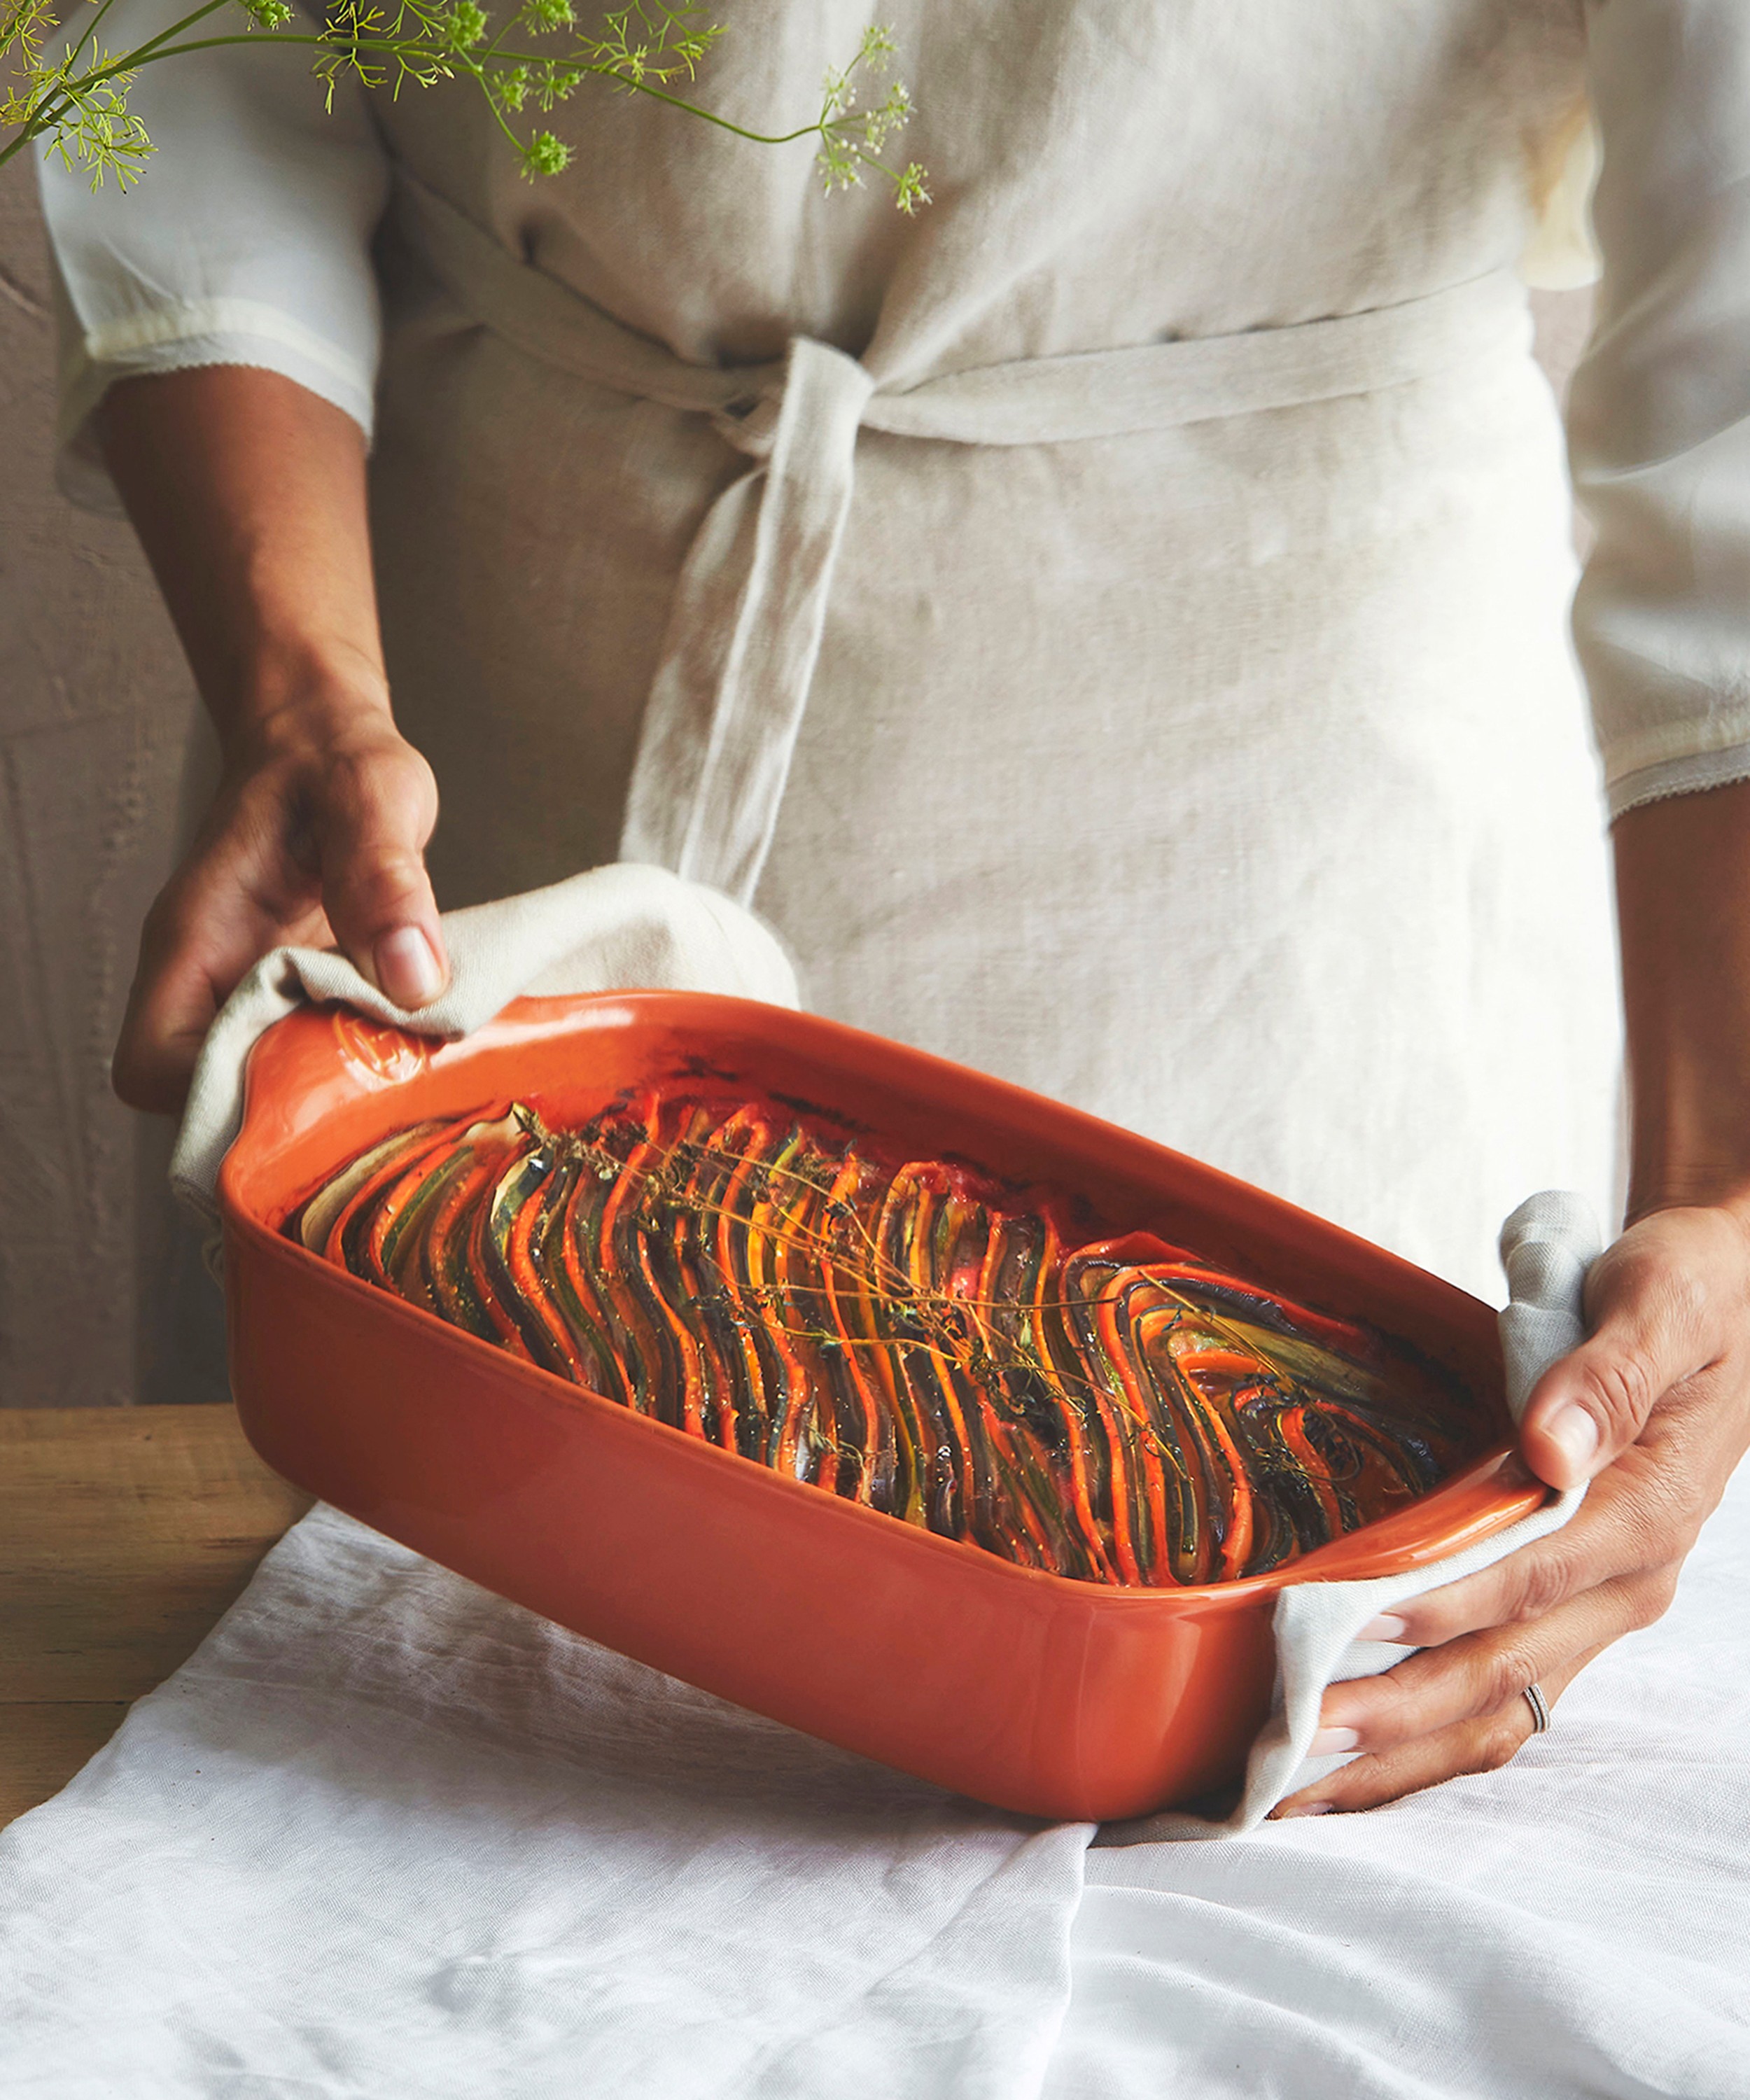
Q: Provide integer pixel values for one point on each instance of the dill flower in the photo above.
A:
(546, 155)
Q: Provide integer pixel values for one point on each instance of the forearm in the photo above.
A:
(248, 495)
(1683, 903)
(248, 492)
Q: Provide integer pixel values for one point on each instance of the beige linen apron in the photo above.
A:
(1113, 627)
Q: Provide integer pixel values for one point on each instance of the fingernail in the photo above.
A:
(1329, 1741)
(1576, 1433)
(1294, 1808)
(1388, 1627)
(406, 967)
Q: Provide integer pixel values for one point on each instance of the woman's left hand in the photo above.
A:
(1654, 1409)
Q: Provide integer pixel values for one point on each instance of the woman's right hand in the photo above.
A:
(316, 838)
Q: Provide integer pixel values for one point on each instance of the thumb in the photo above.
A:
(379, 808)
(1649, 1311)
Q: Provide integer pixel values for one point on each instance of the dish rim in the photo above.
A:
(1371, 1551)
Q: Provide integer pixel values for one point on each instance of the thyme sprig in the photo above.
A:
(526, 62)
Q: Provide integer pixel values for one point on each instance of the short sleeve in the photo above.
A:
(245, 241)
(1659, 409)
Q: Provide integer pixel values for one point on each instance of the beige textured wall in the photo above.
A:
(95, 706)
(94, 713)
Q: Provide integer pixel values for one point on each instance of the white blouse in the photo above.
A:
(248, 243)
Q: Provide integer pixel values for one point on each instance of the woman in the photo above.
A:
(1178, 718)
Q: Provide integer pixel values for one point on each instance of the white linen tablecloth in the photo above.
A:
(1574, 1927)
(386, 1837)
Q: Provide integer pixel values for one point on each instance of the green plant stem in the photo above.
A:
(85, 110)
(389, 47)
(49, 116)
(90, 31)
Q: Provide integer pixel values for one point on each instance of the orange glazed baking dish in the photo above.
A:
(1025, 1689)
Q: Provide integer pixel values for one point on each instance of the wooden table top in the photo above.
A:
(125, 1532)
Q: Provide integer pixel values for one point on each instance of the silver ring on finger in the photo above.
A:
(1540, 1706)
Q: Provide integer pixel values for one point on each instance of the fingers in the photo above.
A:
(1481, 1743)
(1657, 1301)
(308, 824)
(376, 809)
(169, 1011)
(1613, 1534)
(210, 923)
(1478, 1674)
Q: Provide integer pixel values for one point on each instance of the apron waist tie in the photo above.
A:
(732, 682)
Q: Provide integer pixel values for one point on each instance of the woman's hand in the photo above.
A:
(248, 492)
(316, 837)
(1655, 1409)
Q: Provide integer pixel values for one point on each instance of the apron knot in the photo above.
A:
(749, 423)
(727, 701)
(814, 374)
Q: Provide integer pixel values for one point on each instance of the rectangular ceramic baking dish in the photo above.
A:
(1026, 1690)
